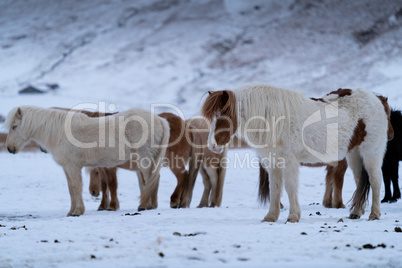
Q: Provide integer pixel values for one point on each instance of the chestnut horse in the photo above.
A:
(211, 166)
(290, 125)
(177, 154)
(192, 145)
(72, 139)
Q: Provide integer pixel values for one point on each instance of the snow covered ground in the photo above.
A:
(134, 54)
(35, 200)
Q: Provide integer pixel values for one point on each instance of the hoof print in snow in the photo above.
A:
(398, 229)
(56, 241)
(93, 257)
(194, 234)
(303, 233)
(133, 214)
(318, 213)
(369, 246)
(161, 254)
(237, 246)
(381, 245)
(242, 259)
(44, 241)
(17, 228)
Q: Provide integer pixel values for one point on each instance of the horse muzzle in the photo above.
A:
(215, 148)
(12, 150)
(95, 193)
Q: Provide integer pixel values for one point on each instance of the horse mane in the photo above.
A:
(223, 101)
(276, 105)
(46, 123)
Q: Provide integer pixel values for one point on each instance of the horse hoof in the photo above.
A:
(141, 209)
(354, 217)
(341, 205)
(292, 220)
(327, 204)
(175, 206)
(72, 215)
(392, 200)
(269, 219)
(373, 217)
(385, 200)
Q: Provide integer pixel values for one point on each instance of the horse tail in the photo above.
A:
(362, 191)
(263, 190)
(194, 167)
(153, 183)
(221, 177)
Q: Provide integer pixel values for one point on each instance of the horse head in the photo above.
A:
(16, 137)
(220, 109)
(95, 181)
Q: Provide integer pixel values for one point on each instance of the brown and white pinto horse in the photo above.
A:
(290, 126)
(335, 173)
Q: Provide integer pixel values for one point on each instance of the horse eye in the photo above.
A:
(14, 127)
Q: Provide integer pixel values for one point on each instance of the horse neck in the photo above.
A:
(282, 109)
(46, 126)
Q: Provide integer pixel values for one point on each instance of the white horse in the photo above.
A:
(288, 128)
(76, 141)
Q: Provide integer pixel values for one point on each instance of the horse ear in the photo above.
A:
(18, 114)
(209, 92)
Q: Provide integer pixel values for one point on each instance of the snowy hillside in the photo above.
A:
(135, 53)
(143, 52)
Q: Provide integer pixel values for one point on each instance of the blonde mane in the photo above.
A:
(46, 123)
(277, 105)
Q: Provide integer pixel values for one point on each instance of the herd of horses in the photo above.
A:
(354, 128)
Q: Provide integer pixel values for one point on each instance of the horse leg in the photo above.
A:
(150, 201)
(112, 184)
(207, 188)
(387, 172)
(275, 190)
(291, 177)
(181, 175)
(394, 179)
(356, 164)
(74, 181)
(154, 196)
(373, 167)
(213, 179)
(329, 187)
(338, 177)
(105, 191)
